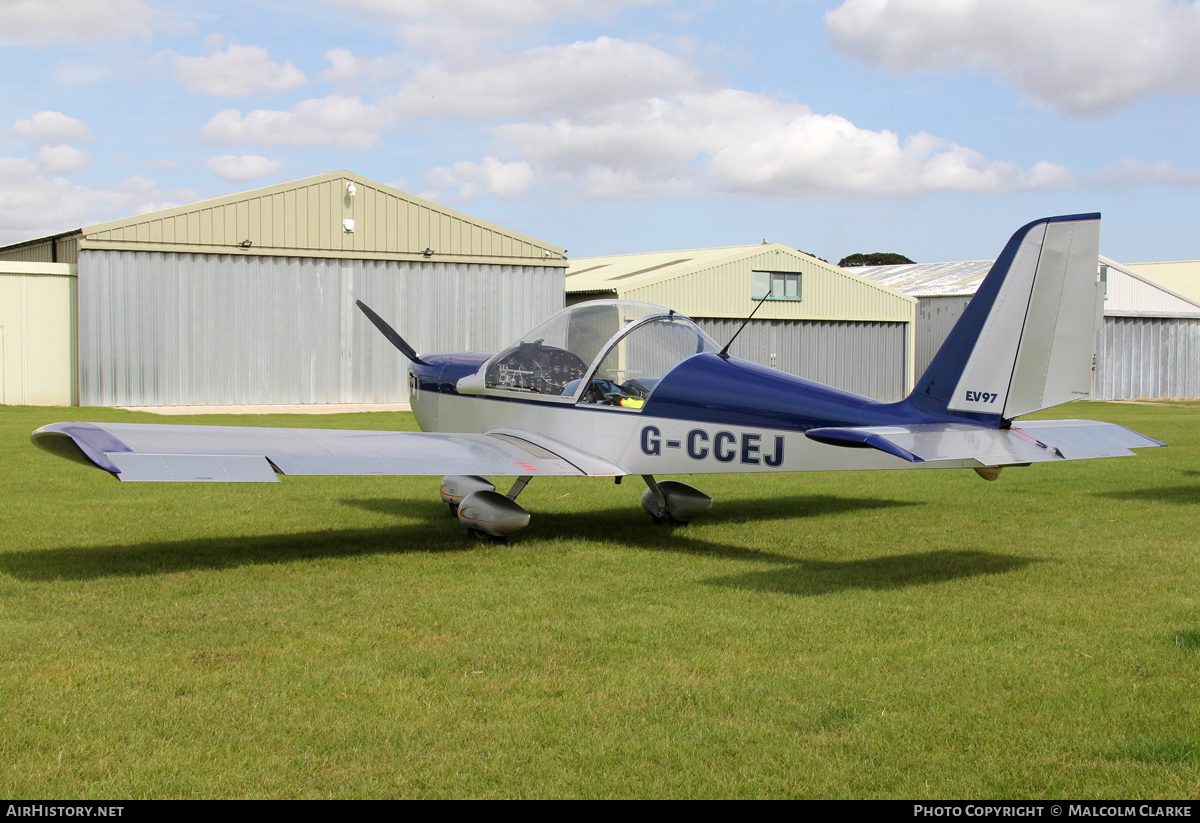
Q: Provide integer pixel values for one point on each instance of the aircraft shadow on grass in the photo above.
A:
(750, 509)
(435, 531)
(1181, 495)
(815, 577)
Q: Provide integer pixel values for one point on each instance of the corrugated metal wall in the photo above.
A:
(1148, 358)
(936, 316)
(37, 336)
(64, 250)
(29, 253)
(862, 357)
(159, 328)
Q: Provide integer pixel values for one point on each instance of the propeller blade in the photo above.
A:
(390, 333)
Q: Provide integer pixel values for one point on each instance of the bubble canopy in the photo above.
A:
(608, 352)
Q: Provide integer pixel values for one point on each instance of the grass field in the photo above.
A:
(887, 634)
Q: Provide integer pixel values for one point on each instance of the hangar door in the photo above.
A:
(866, 358)
(37, 334)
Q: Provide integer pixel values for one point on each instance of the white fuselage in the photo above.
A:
(641, 444)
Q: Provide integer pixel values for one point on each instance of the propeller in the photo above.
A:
(390, 333)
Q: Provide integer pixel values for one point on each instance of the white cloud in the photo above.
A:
(15, 169)
(33, 205)
(53, 127)
(35, 22)
(822, 155)
(504, 11)
(736, 142)
(237, 71)
(1127, 174)
(239, 169)
(346, 68)
(80, 75)
(545, 81)
(1081, 57)
(506, 180)
(461, 28)
(346, 122)
(343, 66)
(63, 159)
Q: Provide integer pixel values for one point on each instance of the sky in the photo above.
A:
(931, 128)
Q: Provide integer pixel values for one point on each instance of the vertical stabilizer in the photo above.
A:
(1054, 362)
(1025, 342)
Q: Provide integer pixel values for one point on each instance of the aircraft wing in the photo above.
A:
(225, 454)
(1035, 441)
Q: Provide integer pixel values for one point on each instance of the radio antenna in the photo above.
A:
(725, 351)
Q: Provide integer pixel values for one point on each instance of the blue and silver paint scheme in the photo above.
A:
(1027, 332)
(610, 388)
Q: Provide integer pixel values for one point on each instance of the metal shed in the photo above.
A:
(1147, 348)
(820, 322)
(37, 334)
(250, 298)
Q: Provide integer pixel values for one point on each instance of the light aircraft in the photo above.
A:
(614, 388)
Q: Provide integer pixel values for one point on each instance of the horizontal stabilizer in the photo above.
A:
(1028, 442)
(165, 453)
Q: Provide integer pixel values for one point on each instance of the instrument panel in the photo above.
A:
(536, 368)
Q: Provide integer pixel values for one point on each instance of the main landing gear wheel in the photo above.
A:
(484, 537)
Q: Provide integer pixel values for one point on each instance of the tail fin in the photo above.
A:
(1025, 341)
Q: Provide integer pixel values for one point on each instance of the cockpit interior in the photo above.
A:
(602, 352)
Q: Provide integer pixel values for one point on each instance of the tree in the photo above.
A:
(879, 258)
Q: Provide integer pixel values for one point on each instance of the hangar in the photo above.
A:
(820, 322)
(249, 299)
(1180, 275)
(1148, 346)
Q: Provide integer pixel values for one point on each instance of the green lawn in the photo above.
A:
(911, 634)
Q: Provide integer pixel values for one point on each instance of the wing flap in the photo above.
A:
(166, 453)
(193, 468)
(1034, 442)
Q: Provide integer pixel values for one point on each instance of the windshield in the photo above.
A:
(560, 351)
(635, 364)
